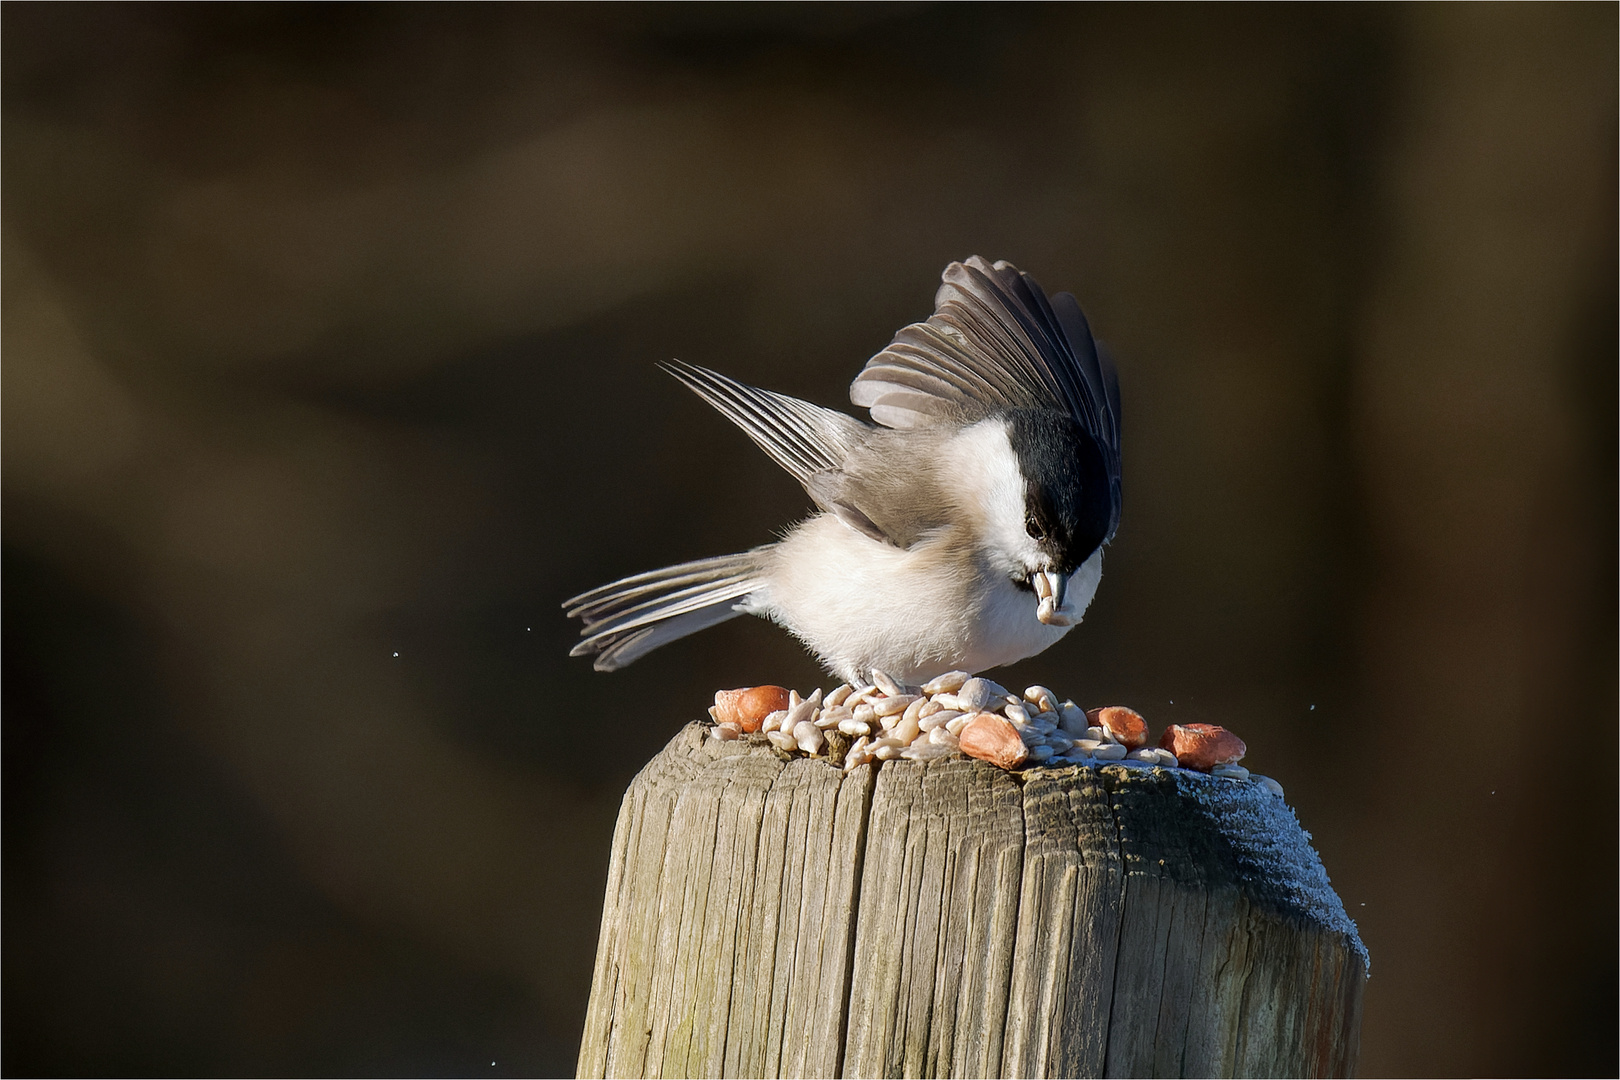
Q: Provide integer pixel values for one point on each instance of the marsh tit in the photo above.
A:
(962, 529)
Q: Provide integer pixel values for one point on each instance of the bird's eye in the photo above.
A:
(1032, 526)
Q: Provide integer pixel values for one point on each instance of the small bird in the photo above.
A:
(961, 530)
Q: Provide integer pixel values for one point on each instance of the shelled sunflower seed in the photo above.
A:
(954, 715)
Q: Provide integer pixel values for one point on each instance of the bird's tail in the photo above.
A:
(631, 617)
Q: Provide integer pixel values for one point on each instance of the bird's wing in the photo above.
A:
(804, 439)
(807, 440)
(995, 341)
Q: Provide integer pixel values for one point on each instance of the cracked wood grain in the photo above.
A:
(778, 918)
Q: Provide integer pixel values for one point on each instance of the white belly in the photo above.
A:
(860, 604)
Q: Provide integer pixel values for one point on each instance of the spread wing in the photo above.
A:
(810, 442)
(804, 439)
(995, 341)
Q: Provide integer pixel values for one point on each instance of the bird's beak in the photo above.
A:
(1052, 588)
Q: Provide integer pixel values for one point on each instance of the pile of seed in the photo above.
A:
(960, 715)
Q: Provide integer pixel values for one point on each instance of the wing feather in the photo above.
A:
(996, 342)
(804, 439)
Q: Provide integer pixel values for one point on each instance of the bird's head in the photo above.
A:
(1065, 505)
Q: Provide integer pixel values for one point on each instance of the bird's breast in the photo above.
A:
(915, 612)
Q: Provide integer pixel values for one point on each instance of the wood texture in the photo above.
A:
(766, 917)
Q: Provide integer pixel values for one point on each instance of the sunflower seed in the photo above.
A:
(774, 721)
(804, 710)
(974, 695)
(865, 713)
(956, 723)
(1269, 784)
(839, 693)
(853, 726)
(949, 682)
(897, 703)
(951, 701)
(832, 717)
(1040, 697)
(906, 730)
(864, 693)
(809, 737)
(1017, 714)
(1231, 772)
(1109, 752)
(887, 685)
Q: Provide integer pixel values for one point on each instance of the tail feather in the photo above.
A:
(610, 595)
(627, 603)
(626, 619)
(614, 651)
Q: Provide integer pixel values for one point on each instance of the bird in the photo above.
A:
(961, 529)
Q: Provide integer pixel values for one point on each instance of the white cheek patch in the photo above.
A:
(992, 489)
(1083, 583)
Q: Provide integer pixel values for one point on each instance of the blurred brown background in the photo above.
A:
(329, 335)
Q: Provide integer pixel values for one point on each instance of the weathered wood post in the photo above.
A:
(767, 917)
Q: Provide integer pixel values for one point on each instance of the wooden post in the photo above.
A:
(767, 917)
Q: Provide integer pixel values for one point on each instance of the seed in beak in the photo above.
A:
(1051, 587)
(1041, 583)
